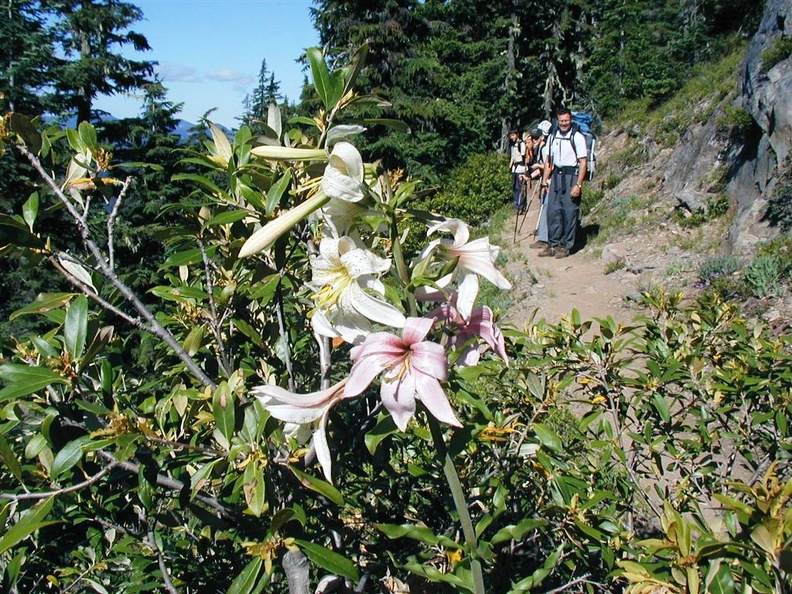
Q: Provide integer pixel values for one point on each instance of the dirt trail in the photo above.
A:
(552, 288)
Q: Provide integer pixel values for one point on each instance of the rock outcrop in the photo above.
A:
(766, 94)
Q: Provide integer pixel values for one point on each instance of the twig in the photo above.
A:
(161, 562)
(581, 580)
(214, 323)
(168, 482)
(157, 329)
(112, 219)
(86, 290)
(86, 483)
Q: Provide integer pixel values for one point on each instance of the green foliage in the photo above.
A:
(780, 49)
(763, 276)
(779, 203)
(475, 190)
(716, 207)
(612, 267)
(717, 275)
(737, 120)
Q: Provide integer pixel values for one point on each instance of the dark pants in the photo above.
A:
(517, 196)
(563, 212)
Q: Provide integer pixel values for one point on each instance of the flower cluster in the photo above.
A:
(350, 302)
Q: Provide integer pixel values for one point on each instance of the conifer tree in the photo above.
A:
(91, 34)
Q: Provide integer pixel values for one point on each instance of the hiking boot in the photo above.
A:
(548, 252)
(539, 245)
(561, 252)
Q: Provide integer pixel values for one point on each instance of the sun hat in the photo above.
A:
(545, 126)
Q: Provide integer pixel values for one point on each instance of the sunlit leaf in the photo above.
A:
(76, 327)
(22, 380)
(29, 522)
(44, 302)
(329, 560)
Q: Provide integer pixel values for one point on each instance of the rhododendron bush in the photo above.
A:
(298, 404)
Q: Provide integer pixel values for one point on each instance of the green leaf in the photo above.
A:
(385, 426)
(76, 326)
(247, 582)
(254, 489)
(26, 131)
(100, 340)
(224, 218)
(318, 486)
(661, 406)
(222, 145)
(30, 210)
(276, 191)
(88, 135)
(224, 410)
(202, 181)
(516, 532)
(8, 456)
(329, 560)
(23, 380)
(418, 533)
(320, 74)
(721, 582)
(547, 437)
(44, 302)
(12, 232)
(395, 125)
(192, 344)
(68, 457)
(188, 257)
(31, 520)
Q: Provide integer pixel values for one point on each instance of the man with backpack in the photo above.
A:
(564, 173)
(517, 168)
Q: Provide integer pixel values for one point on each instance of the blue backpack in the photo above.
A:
(581, 122)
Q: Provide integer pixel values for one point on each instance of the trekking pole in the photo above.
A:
(517, 217)
(539, 218)
(528, 207)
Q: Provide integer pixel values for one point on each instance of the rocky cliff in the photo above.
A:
(766, 94)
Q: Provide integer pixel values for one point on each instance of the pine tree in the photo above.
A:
(26, 56)
(91, 33)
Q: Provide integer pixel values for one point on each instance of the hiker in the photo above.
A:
(540, 134)
(517, 168)
(564, 173)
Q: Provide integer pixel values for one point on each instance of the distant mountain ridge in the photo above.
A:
(182, 129)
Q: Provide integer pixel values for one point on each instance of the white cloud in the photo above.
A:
(172, 73)
(229, 75)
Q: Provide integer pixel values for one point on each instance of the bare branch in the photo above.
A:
(86, 483)
(215, 322)
(156, 329)
(161, 562)
(85, 289)
(112, 219)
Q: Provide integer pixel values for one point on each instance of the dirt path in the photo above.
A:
(549, 288)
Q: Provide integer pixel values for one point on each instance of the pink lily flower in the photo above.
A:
(304, 411)
(462, 332)
(411, 369)
(473, 259)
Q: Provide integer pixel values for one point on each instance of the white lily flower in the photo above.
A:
(347, 293)
(473, 259)
(305, 415)
(343, 176)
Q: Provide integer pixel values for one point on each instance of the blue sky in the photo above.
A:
(210, 52)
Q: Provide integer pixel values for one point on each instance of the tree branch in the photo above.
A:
(161, 562)
(86, 483)
(157, 329)
(112, 219)
(215, 322)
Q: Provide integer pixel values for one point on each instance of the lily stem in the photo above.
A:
(461, 505)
